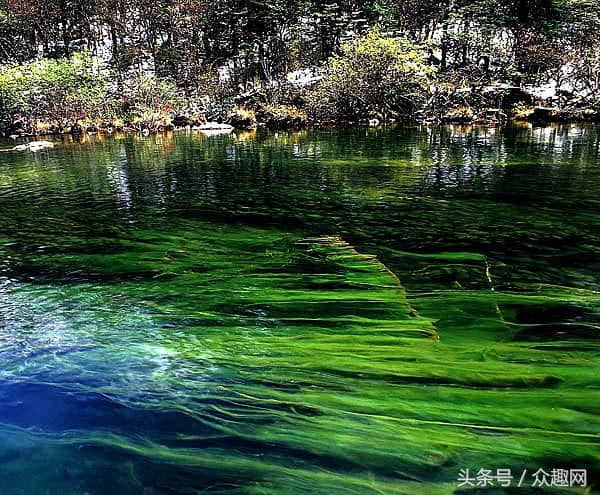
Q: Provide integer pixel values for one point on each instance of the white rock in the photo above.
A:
(34, 146)
(213, 126)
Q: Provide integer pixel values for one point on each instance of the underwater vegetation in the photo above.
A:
(323, 312)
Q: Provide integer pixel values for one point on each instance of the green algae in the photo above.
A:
(308, 346)
(204, 344)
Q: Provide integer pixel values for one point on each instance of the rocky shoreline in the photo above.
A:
(488, 117)
(503, 104)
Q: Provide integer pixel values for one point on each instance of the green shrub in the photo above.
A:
(150, 101)
(57, 92)
(374, 76)
(55, 95)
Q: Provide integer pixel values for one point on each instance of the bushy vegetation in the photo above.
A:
(53, 93)
(373, 77)
(73, 94)
(151, 102)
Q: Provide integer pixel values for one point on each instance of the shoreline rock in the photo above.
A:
(213, 126)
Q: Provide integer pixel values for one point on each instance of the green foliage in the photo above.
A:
(60, 91)
(149, 101)
(56, 95)
(374, 76)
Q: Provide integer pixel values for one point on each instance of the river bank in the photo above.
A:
(375, 80)
(169, 110)
(536, 116)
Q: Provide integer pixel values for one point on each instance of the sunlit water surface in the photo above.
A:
(330, 312)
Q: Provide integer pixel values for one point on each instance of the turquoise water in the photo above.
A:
(348, 311)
